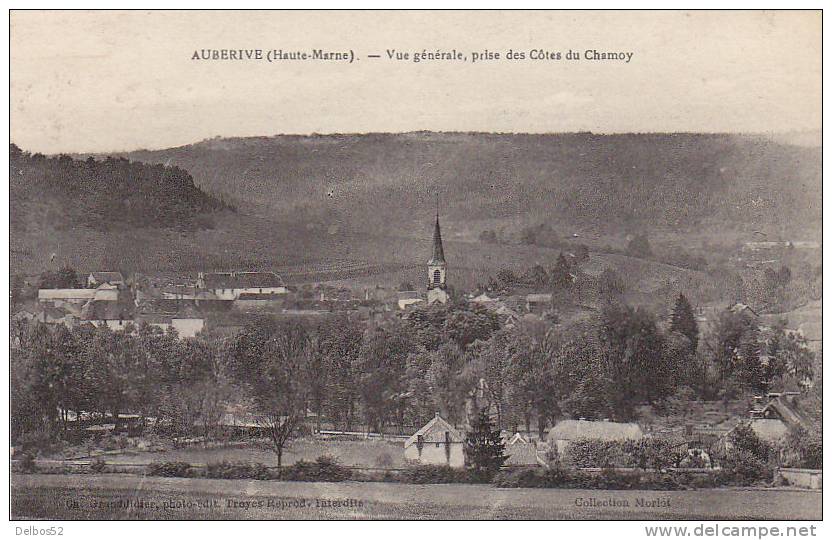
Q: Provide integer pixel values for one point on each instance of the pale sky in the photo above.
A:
(112, 81)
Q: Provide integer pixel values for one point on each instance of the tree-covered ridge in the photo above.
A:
(106, 194)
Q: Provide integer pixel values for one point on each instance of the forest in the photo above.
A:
(104, 195)
(396, 373)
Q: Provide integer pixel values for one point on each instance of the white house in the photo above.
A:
(186, 327)
(230, 285)
(437, 443)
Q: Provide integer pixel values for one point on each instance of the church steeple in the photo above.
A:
(438, 252)
(437, 267)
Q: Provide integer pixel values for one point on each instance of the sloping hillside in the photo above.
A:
(655, 180)
(360, 206)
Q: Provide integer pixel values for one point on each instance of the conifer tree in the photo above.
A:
(484, 448)
(684, 322)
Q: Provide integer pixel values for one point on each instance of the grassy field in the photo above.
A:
(115, 496)
(370, 453)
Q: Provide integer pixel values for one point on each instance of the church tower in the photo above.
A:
(437, 268)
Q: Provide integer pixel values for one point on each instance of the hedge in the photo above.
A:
(170, 469)
(231, 470)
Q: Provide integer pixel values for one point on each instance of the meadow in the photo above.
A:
(365, 454)
(116, 496)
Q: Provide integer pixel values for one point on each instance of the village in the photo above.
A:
(222, 304)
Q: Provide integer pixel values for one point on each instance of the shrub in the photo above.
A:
(744, 439)
(323, 469)
(652, 453)
(98, 465)
(114, 442)
(27, 463)
(534, 478)
(435, 474)
(596, 453)
(802, 449)
(237, 470)
(178, 469)
(744, 468)
(606, 479)
(612, 479)
(40, 441)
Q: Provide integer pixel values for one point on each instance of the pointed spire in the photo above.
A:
(438, 252)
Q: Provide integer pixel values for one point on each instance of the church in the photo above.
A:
(437, 269)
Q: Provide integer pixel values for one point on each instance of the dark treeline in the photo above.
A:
(455, 360)
(108, 193)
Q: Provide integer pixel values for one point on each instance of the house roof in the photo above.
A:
(98, 310)
(54, 313)
(104, 277)
(242, 280)
(742, 308)
(188, 290)
(590, 429)
(521, 453)
(789, 414)
(106, 287)
(154, 318)
(434, 432)
(66, 294)
(517, 438)
(539, 297)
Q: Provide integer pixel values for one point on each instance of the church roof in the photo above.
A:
(438, 252)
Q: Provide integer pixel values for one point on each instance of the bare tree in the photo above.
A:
(269, 360)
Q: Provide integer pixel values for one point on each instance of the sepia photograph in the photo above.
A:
(416, 265)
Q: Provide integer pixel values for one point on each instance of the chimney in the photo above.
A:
(437, 414)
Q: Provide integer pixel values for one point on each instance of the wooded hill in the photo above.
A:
(637, 181)
(103, 195)
(367, 201)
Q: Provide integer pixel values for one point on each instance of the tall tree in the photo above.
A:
(484, 447)
(560, 277)
(382, 374)
(269, 360)
(339, 341)
(633, 352)
(445, 380)
(683, 321)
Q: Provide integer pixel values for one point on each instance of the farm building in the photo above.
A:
(566, 431)
(436, 443)
(230, 285)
